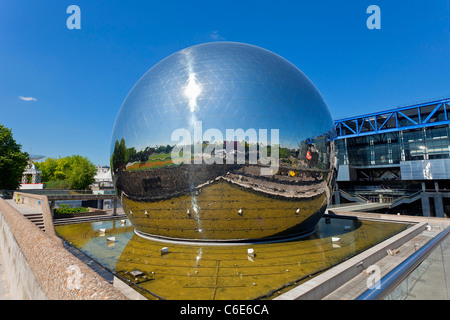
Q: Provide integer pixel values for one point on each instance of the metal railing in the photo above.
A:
(354, 197)
(406, 199)
(65, 191)
(389, 282)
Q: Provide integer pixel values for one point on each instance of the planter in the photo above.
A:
(97, 212)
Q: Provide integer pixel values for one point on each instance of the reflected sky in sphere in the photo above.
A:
(225, 86)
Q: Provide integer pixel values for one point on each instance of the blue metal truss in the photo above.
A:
(405, 118)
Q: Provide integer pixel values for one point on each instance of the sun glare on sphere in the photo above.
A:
(192, 91)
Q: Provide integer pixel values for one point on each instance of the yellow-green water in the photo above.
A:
(205, 272)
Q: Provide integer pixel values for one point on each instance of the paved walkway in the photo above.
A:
(358, 284)
(22, 208)
(360, 207)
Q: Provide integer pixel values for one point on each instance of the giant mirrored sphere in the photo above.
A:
(223, 141)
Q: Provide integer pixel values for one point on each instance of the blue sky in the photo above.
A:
(76, 80)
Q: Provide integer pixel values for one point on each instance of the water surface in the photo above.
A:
(205, 272)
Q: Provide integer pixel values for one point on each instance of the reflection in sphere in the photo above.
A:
(223, 142)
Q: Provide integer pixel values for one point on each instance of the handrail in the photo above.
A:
(408, 197)
(360, 198)
(390, 281)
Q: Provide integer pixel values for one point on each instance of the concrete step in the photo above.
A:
(34, 216)
(37, 219)
(37, 222)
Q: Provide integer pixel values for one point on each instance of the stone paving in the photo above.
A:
(22, 208)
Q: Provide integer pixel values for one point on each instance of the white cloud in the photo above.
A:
(27, 98)
(216, 36)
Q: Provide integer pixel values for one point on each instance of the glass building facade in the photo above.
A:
(411, 142)
(393, 147)
(399, 156)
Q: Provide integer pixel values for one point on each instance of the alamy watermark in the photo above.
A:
(374, 20)
(74, 20)
(235, 147)
(373, 281)
(74, 277)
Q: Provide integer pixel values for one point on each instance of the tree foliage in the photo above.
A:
(76, 170)
(120, 155)
(12, 160)
(123, 155)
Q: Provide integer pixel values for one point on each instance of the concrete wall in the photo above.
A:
(21, 281)
(40, 203)
(37, 266)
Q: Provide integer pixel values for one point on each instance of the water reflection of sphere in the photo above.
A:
(223, 141)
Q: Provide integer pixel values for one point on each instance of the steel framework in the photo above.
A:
(404, 118)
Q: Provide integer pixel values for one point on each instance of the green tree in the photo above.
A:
(120, 155)
(48, 168)
(76, 171)
(81, 172)
(284, 153)
(12, 160)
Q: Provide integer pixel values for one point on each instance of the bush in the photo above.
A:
(64, 209)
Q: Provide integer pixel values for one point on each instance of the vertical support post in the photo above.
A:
(438, 202)
(52, 208)
(337, 195)
(99, 203)
(426, 211)
(420, 117)
(115, 207)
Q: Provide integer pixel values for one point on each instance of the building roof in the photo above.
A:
(432, 113)
(103, 176)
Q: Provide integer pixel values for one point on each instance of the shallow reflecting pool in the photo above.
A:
(208, 272)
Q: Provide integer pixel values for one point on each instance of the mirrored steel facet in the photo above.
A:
(224, 141)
